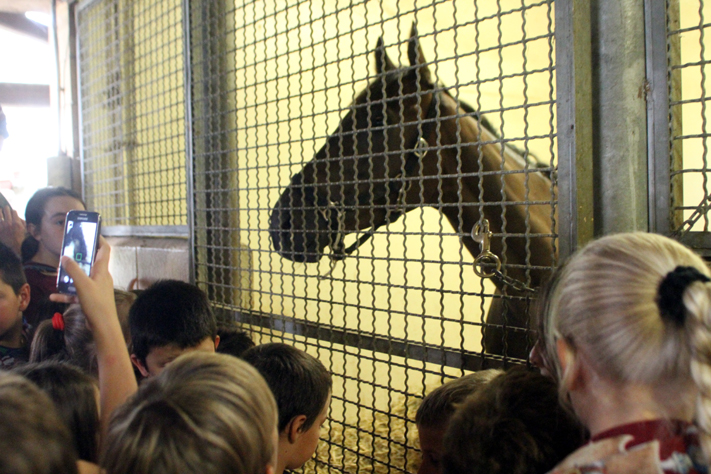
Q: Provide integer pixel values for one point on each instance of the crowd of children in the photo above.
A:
(114, 382)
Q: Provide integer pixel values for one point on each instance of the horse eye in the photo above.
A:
(377, 120)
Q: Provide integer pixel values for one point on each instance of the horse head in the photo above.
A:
(360, 178)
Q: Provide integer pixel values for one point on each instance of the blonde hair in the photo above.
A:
(207, 413)
(604, 303)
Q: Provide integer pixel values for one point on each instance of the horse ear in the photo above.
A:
(382, 61)
(416, 56)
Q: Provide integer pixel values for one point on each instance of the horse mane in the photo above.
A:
(529, 156)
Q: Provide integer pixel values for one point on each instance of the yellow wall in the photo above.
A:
(294, 68)
(695, 46)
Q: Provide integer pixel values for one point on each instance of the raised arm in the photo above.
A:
(96, 297)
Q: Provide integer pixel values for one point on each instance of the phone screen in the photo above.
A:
(81, 232)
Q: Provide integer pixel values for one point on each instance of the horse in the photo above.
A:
(405, 142)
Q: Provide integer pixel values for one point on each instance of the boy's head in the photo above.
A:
(435, 411)
(34, 440)
(166, 320)
(233, 340)
(302, 388)
(206, 413)
(513, 425)
(14, 292)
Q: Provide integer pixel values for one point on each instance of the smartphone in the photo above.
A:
(81, 239)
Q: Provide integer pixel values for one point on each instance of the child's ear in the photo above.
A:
(141, 368)
(33, 230)
(24, 295)
(294, 428)
(572, 371)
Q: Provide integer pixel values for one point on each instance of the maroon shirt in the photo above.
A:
(645, 447)
(43, 282)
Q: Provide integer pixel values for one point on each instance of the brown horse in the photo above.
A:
(406, 143)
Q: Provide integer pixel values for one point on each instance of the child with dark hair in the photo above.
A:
(233, 340)
(74, 394)
(45, 214)
(515, 424)
(302, 388)
(168, 319)
(33, 439)
(435, 411)
(14, 298)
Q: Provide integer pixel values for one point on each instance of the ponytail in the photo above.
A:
(48, 343)
(697, 301)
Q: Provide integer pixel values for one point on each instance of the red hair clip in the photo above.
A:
(58, 322)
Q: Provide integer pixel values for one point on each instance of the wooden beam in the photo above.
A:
(35, 95)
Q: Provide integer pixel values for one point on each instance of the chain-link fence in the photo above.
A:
(341, 163)
(344, 168)
(688, 85)
(133, 111)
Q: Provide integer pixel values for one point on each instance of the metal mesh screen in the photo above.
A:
(338, 180)
(689, 40)
(133, 111)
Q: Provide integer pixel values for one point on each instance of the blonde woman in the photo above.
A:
(628, 333)
(205, 413)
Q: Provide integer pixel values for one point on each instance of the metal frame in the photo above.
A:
(574, 91)
(657, 117)
(189, 165)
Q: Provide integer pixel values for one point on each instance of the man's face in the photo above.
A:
(159, 357)
(431, 446)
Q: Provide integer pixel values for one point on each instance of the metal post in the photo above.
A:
(573, 82)
(619, 88)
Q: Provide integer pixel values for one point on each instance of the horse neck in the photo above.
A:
(477, 190)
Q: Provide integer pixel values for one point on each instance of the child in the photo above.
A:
(45, 214)
(68, 337)
(628, 333)
(302, 388)
(233, 340)
(74, 395)
(205, 413)
(514, 424)
(14, 298)
(33, 440)
(166, 320)
(437, 407)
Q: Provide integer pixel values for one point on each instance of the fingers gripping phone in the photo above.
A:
(81, 239)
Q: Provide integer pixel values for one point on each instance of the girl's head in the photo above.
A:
(75, 396)
(606, 306)
(73, 340)
(208, 413)
(70, 342)
(45, 214)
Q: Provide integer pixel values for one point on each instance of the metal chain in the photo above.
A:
(482, 234)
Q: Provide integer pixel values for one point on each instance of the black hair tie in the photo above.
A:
(671, 292)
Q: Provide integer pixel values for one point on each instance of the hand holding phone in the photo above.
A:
(81, 239)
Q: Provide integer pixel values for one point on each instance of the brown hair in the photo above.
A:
(75, 343)
(515, 424)
(207, 413)
(439, 405)
(34, 440)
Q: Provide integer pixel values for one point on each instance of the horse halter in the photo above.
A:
(398, 185)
